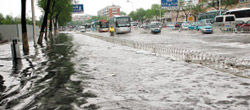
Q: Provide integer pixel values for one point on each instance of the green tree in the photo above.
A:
(132, 14)
(149, 14)
(57, 11)
(1, 18)
(95, 18)
(63, 13)
(9, 20)
(197, 9)
(224, 3)
(123, 13)
(156, 10)
(46, 9)
(140, 14)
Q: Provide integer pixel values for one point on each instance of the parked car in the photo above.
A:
(145, 26)
(192, 26)
(238, 24)
(245, 27)
(155, 27)
(170, 25)
(178, 25)
(201, 23)
(184, 26)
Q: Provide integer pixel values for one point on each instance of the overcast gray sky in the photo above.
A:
(13, 7)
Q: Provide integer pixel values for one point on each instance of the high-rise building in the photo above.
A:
(109, 11)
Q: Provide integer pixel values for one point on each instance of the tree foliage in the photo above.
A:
(62, 10)
(224, 3)
(123, 13)
(11, 20)
(141, 14)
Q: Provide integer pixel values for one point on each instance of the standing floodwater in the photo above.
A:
(46, 83)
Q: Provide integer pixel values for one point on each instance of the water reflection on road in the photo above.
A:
(46, 84)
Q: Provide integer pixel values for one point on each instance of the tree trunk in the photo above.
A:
(46, 34)
(55, 27)
(55, 24)
(44, 24)
(51, 20)
(24, 29)
(177, 15)
(50, 27)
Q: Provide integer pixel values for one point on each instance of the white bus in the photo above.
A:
(242, 14)
(121, 24)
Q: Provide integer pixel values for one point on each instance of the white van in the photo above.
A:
(225, 18)
(225, 22)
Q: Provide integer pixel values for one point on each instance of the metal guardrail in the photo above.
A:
(236, 66)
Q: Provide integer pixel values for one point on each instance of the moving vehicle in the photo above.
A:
(206, 28)
(240, 14)
(121, 24)
(201, 23)
(134, 24)
(155, 27)
(103, 26)
(82, 29)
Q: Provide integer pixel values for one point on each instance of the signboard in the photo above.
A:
(190, 19)
(169, 3)
(78, 8)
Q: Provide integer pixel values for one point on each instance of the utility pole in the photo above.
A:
(220, 6)
(34, 22)
(160, 12)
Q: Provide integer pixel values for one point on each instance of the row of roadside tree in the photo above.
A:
(188, 9)
(55, 12)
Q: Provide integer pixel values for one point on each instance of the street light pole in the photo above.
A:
(34, 22)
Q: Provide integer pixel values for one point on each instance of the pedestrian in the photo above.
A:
(111, 30)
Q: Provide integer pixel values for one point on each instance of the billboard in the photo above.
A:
(169, 3)
(78, 8)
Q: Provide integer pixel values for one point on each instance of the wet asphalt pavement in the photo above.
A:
(78, 72)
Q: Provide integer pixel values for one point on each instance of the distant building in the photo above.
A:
(81, 18)
(109, 11)
(194, 2)
(244, 4)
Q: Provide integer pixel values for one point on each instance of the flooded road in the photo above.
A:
(44, 80)
(78, 72)
(132, 79)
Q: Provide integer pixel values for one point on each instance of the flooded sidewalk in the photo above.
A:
(126, 78)
(42, 80)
